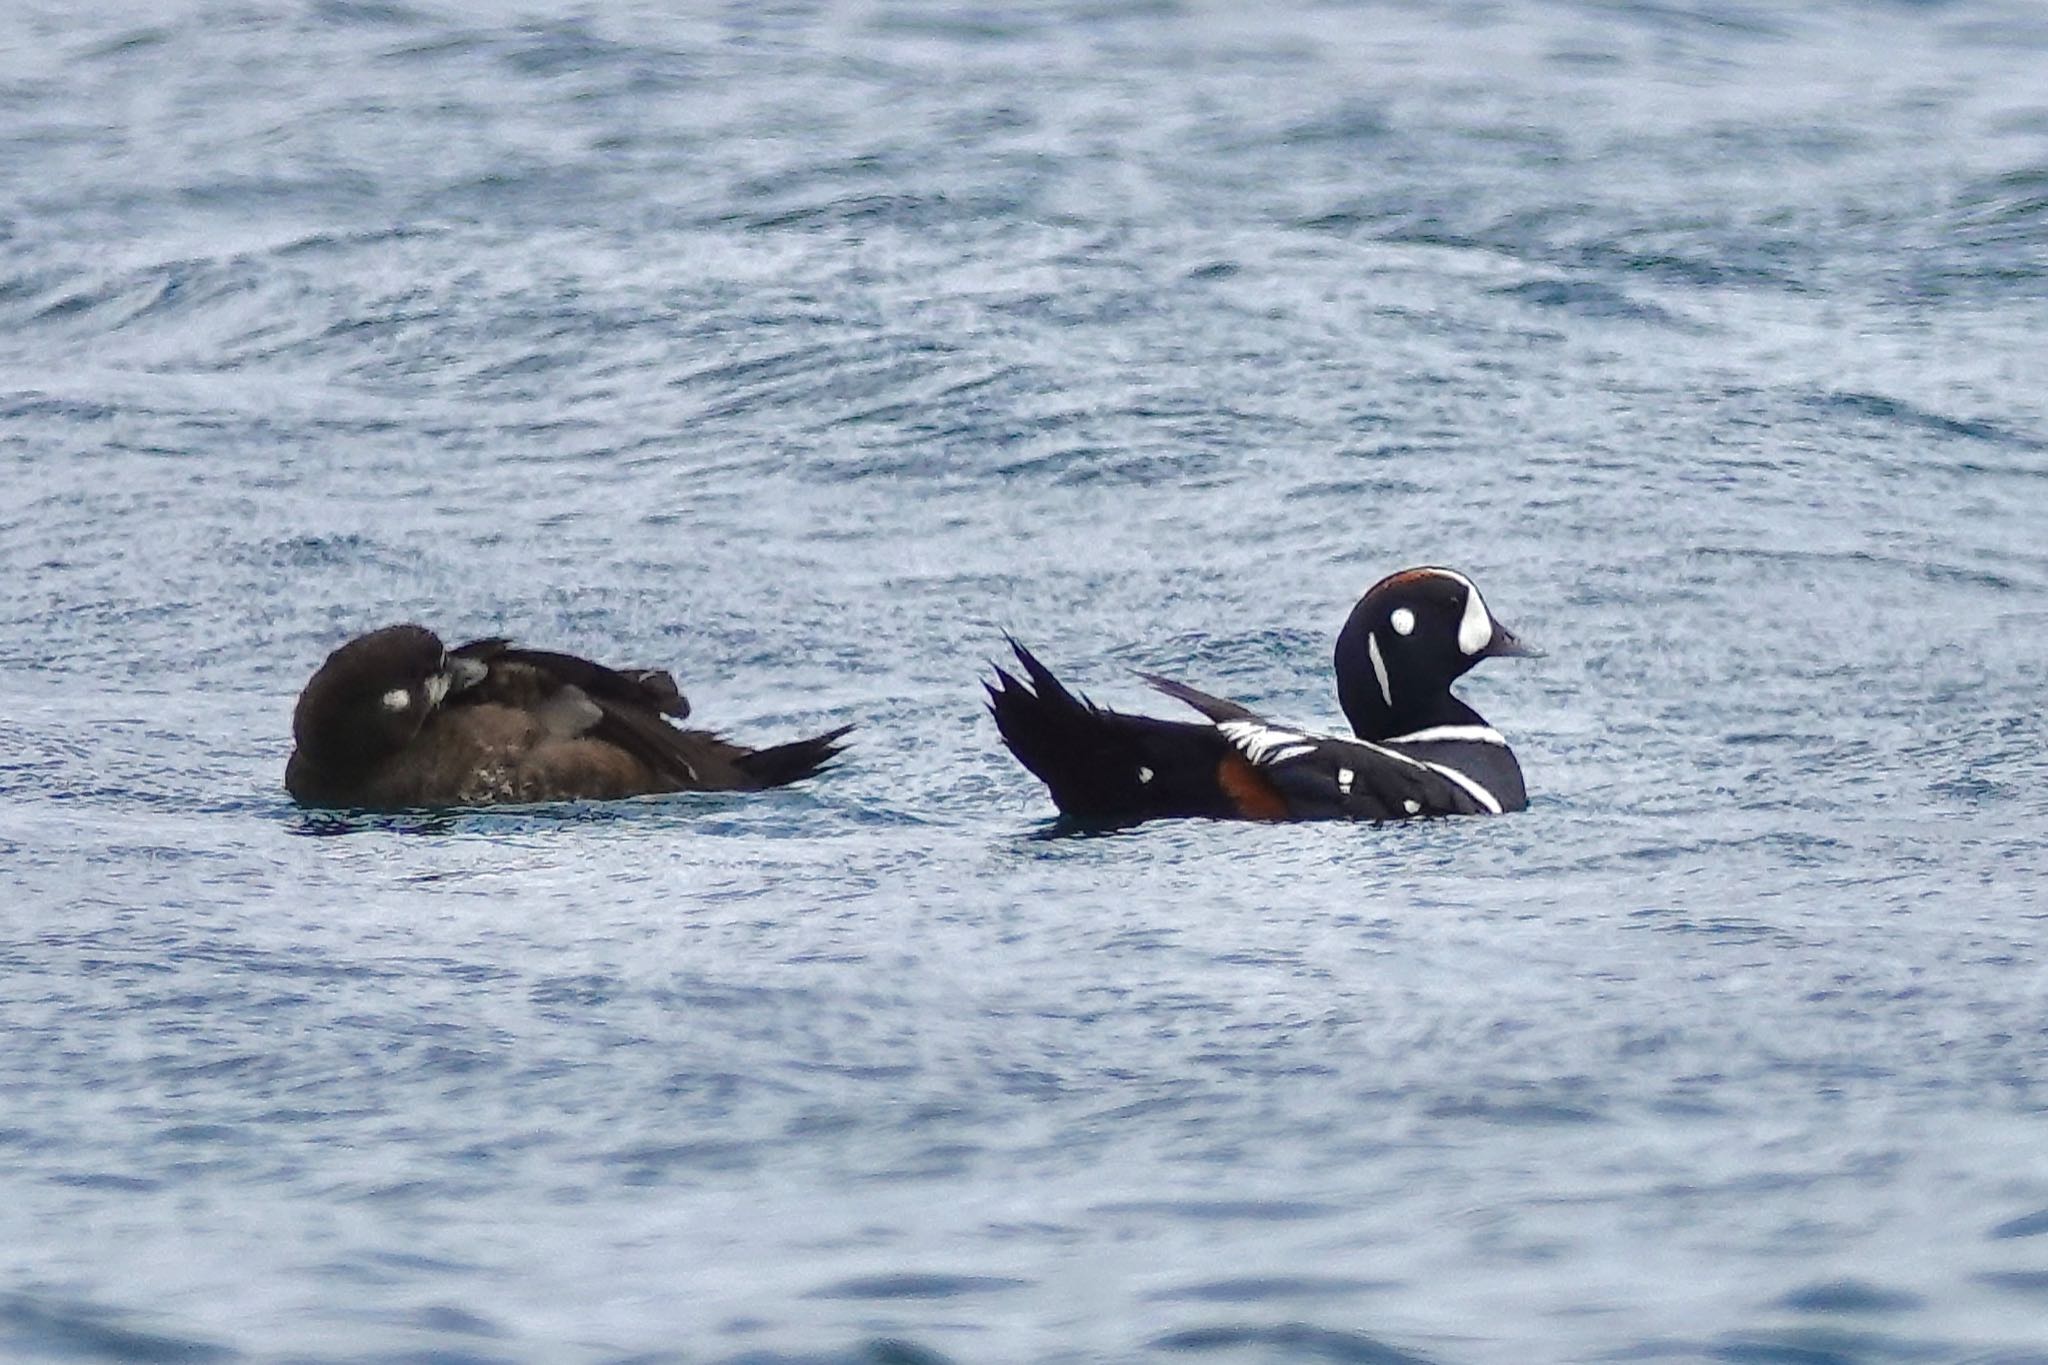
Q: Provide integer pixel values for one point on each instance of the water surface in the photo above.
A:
(806, 349)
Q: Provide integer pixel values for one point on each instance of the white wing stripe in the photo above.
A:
(1265, 743)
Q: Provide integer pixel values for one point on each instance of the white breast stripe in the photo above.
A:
(1477, 792)
(1440, 734)
(1379, 666)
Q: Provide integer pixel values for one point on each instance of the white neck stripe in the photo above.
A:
(1379, 667)
(1446, 734)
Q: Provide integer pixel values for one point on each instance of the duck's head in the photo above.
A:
(372, 696)
(1409, 638)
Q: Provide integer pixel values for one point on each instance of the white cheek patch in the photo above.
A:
(1379, 667)
(1477, 627)
(1403, 621)
(397, 699)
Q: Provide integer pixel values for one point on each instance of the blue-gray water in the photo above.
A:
(805, 349)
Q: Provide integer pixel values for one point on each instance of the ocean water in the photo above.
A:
(808, 348)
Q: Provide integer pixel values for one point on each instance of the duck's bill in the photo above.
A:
(1505, 644)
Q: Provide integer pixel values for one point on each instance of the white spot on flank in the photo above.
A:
(1477, 627)
(1268, 744)
(1403, 621)
(1345, 777)
(397, 699)
(1379, 666)
(1412, 806)
(1144, 774)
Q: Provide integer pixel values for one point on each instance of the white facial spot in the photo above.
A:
(397, 699)
(1144, 774)
(1477, 627)
(1379, 667)
(1345, 777)
(1403, 621)
(1412, 806)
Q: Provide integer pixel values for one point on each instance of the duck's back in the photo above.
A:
(488, 754)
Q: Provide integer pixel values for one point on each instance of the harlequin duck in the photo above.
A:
(1419, 751)
(393, 719)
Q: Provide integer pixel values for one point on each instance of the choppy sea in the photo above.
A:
(806, 349)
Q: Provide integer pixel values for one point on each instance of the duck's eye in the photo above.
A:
(1403, 621)
(397, 699)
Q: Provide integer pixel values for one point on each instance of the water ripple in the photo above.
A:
(809, 350)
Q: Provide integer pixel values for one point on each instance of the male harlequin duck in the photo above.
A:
(393, 719)
(1420, 751)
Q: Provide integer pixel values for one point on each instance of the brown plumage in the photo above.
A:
(393, 719)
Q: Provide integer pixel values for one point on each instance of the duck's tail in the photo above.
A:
(782, 764)
(1103, 766)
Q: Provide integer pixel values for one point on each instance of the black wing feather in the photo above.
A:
(1105, 766)
(652, 688)
(1215, 708)
(1341, 779)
